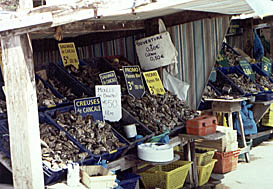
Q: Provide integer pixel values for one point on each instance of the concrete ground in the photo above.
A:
(258, 174)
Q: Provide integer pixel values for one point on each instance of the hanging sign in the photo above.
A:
(247, 69)
(89, 106)
(154, 82)
(213, 75)
(110, 96)
(267, 65)
(108, 78)
(155, 51)
(69, 54)
(134, 81)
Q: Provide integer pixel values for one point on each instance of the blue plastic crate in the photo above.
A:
(50, 176)
(227, 46)
(128, 180)
(54, 92)
(105, 156)
(235, 69)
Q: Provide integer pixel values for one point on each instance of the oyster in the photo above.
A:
(209, 92)
(3, 107)
(244, 83)
(57, 149)
(263, 81)
(45, 97)
(97, 137)
(159, 113)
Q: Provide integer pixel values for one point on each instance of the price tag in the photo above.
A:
(155, 51)
(110, 96)
(247, 69)
(108, 78)
(134, 81)
(69, 54)
(213, 75)
(154, 82)
(89, 106)
(267, 65)
(222, 60)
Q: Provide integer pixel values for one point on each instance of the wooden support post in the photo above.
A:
(22, 112)
(271, 41)
(243, 136)
(248, 37)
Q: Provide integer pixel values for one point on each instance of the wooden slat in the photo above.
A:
(214, 136)
(22, 112)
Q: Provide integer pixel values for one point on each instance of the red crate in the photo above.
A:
(227, 161)
(201, 121)
(204, 130)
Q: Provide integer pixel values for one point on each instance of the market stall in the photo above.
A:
(77, 21)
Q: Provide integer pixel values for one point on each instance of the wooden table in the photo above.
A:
(229, 106)
(189, 152)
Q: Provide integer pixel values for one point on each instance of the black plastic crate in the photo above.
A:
(105, 156)
(128, 180)
(127, 119)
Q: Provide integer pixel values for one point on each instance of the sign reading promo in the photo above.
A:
(134, 81)
(69, 54)
(267, 65)
(108, 78)
(247, 69)
(89, 106)
(110, 96)
(155, 51)
(154, 82)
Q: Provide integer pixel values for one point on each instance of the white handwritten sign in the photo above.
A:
(155, 51)
(111, 101)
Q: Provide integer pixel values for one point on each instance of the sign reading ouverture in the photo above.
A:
(89, 106)
(69, 54)
(110, 96)
(134, 81)
(155, 51)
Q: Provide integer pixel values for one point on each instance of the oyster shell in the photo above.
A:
(244, 83)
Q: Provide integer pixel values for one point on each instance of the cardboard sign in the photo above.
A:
(108, 78)
(247, 69)
(134, 81)
(110, 96)
(154, 82)
(213, 75)
(155, 51)
(89, 106)
(222, 60)
(69, 54)
(267, 65)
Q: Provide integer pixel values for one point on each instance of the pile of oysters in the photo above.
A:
(3, 107)
(45, 97)
(97, 137)
(263, 81)
(57, 149)
(159, 112)
(209, 92)
(244, 83)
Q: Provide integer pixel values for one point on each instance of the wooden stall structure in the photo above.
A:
(73, 19)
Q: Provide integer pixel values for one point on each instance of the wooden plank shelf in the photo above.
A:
(260, 134)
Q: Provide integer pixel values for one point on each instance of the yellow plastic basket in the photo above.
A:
(169, 176)
(205, 157)
(205, 171)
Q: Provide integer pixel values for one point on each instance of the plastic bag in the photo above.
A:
(249, 124)
(258, 49)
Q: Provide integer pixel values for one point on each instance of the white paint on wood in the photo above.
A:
(22, 112)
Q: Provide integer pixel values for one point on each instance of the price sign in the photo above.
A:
(134, 81)
(213, 75)
(267, 65)
(69, 54)
(247, 69)
(154, 82)
(155, 51)
(110, 96)
(89, 106)
(108, 78)
(222, 60)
